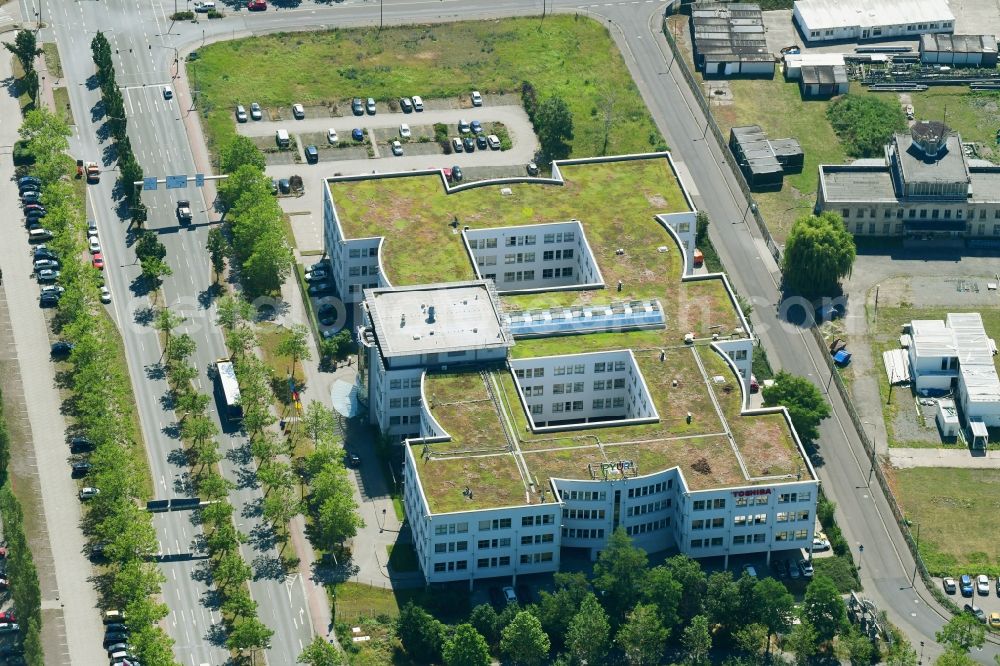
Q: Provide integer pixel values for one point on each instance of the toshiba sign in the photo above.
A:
(750, 493)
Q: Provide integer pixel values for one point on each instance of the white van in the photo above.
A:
(281, 136)
(39, 235)
(418, 103)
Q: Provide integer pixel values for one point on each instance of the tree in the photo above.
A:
(466, 647)
(824, 608)
(555, 610)
(554, 125)
(859, 648)
(804, 402)
(25, 49)
(722, 602)
(954, 658)
(752, 639)
(865, 123)
(421, 634)
(697, 641)
(241, 151)
(331, 499)
(295, 345)
(665, 592)
(773, 607)
(245, 180)
(319, 423)
(523, 642)
(231, 571)
(233, 312)
(320, 653)
(642, 638)
(484, 619)
(802, 642)
(688, 573)
(620, 571)
(901, 652)
(239, 604)
(819, 251)
(216, 247)
(589, 632)
(249, 635)
(962, 633)
(34, 655)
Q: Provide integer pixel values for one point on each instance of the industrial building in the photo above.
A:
(959, 50)
(865, 20)
(728, 39)
(764, 161)
(535, 421)
(820, 75)
(924, 187)
(955, 357)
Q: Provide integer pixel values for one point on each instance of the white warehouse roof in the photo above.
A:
(824, 14)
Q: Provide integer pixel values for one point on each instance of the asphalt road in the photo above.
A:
(863, 512)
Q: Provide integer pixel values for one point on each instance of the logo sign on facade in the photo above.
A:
(751, 493)
(616, 468)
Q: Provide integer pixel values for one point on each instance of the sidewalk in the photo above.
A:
(904, 458)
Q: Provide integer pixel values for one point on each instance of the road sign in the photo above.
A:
(149, 183)
(199, 180)
(177, 182)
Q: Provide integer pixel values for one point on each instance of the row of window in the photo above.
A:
(536, 539)
(358, 252)
(560, 407)
(355, 271)
(609, 384)
(586, 495)
(751, 501)
(458, 565)
(651, 489)
(702, 505)
(543, 519)
(487, 544)
(755, 519)
(550, 273)
(714, 542)
(784, 517)
(556, 255)
(519, 258)
(797, 535)
(584, 514)
(708, 524)
(632, 530)
(359, 288)
(404, 420)
(451, 528)
(536, 558)
(643, 509)
(514, 241)
(785, 498)
(561, 237)
(482, 243)
(397, 403)
(405, 383)
(608, 403)
(740, 539)
(451, 547)
(582, 533)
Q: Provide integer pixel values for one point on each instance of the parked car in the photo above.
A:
(456, 173)
(509, 595)
(463, 126)
(8, 627)
(92, 227)
(255, 111)
(949, 585)
(476, 127)
(204, 7)
(976, 611)
(370, 106)
(89, 492)
(29, 183)
(397, 148)
(80, 469)
(820, 542)
(404, 131)
(352, 460)
(257, 5)
(114, 638)
(317, 274)
(80, 444)
(241, 114)
(98, 261)
(298, 111)
(61, 348)
(105, 294)
(481, 142)
(405, 104)
(469, 144)
(357, 106)
(45, 263)
(312, 154)
(47, 275)
(319, 288)
(358, 134)
(983, 585)
(94, 244)
(477, 99)
(456, 145)
(532, 169)
(494, 141)
(965, 584)
(168, 92)
(48, 300)
(284, 185)
(7, 616)
(43, 252)
(331, 136)
(994, 620)
(418, 103)
(806, 567)
(30, 196)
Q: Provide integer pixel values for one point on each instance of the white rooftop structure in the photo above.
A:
(437, 318)
(931, 337)
(975, 358)
(826, 20)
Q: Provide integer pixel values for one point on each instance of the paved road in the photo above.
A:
(864, 514)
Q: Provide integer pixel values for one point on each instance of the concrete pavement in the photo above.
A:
(904, 458)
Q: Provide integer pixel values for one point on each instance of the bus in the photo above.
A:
(225, 374)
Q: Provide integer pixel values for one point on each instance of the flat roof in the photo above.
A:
(823, 14)
(948, 167)
(985, 183)
(489, 436)
(944, 42)
(961, 335)
(823, 74)
(853, 183)
(729, 31)
(436, 318)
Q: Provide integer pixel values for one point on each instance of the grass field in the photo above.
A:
(61, 97)
(886, 336)
(52, 61)
(959, 515)
(569, 56)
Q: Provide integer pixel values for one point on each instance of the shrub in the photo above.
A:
(865, 123)
(215, 14)
(441, 133)
(182, 16)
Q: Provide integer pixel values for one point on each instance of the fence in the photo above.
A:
(904, 526)
(710, 124)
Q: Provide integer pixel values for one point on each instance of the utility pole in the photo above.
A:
(876, 304)
(380, 3)
(913, 580)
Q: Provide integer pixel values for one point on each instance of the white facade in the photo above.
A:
(540, 257)
(861, 20)
(355, 264)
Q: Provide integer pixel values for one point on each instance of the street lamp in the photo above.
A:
(913, 579)
(874, 449)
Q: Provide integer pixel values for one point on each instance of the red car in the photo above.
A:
(7, 616)
(257, 5)
(99, 261)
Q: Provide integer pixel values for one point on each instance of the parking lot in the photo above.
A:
(989, 602)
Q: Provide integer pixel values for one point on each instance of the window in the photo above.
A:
(546, 273)
(536, 410)
(739, 540)
(739, 521)
(698, 524)
(699, 505)
(845, 213)
(719, 503)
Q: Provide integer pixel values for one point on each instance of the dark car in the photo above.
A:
(30, 196)
(481, 143)
(456, 173)
(114, 638)
(80, 445)
(284, 186)
(97, 553)
(116, 627)
(476, 127)
(33, 206)
(61, 348)
(327, 315)
(80, 469)
(312, 154)
(352, 460)
(358, 134)
(532, 169)
(42, 252)
(29, 183)
(357, 106)
(469, 144)
(405, 104)
(48, 300)
(976, 612)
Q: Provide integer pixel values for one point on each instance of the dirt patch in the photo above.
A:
(656, 200)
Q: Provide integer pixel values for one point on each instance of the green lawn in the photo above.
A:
(569, 56)
(959, 515)
(885, 336)
(52, 61)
